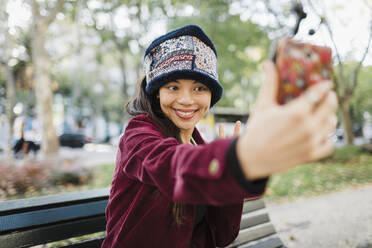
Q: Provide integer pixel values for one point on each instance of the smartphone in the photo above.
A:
(300, 65)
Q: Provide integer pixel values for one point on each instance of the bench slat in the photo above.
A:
(249, 220)
(61, 199)
(56, 232)
(269, 243)
(253, 233)
(250, 206)
(46, 216)
(92, 243)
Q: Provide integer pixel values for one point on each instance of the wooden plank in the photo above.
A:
(249, 220)
(93, 243)
(274, 242)
(253, 233)
(47, 216)
(62, 199)
(56, 232)
(250, 206)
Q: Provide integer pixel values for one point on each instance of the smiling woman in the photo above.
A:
(166, 175)
(171, 188)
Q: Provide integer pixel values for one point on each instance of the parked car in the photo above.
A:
(367, 132)
(340, 134)
(74, 140)
(357, 131)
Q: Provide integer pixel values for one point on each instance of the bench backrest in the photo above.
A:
(41, 220)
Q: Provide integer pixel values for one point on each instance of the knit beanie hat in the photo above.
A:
(184, 53)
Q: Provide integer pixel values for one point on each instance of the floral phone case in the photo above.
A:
(300, 65)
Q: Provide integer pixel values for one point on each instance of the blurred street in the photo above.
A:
(90, 154)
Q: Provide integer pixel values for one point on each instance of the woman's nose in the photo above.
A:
(185, 97)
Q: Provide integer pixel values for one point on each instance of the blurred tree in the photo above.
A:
(241, 45)
(361, 102)
(76, 90)
(43, 16)
(15, 63)
(120, 26)
(345, 82)
(123, 27)
(76, 87)
(276, 18)
(6, 64)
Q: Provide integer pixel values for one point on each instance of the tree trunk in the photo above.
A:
(123, 75)
(42, 81)
(346, 122)
(10, 84)
(125, 81)
(10, 95)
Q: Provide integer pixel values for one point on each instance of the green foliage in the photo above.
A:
(2, 93)
(17, 180)
(362, 98)
(32, 178)
(27, 98)
(103, 176)
(71, 176)
(345, 154)
(347, 167)
(110, 101)
(76, 239)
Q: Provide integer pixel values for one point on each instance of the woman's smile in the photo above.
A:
(185, 114)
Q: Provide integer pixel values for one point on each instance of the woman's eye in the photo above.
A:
(171, 87)
(201, 88)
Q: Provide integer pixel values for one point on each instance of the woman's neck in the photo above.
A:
(186, 135)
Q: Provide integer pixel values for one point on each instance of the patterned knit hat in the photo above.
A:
(184, 53)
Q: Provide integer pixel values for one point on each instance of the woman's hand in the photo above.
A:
(221, 132)
(279, 137)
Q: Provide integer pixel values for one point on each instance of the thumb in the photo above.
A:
(267, 95)
(221, 131)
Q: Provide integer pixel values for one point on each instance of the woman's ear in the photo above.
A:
(157, 96)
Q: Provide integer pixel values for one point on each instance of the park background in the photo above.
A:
(68, 68)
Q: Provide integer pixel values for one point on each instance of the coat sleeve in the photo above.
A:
(182, 172)
(225, 222)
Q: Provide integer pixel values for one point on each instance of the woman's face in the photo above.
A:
(185, 102)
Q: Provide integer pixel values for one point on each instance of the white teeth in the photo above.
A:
(185, 113)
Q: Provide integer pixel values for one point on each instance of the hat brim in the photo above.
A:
(213, 85)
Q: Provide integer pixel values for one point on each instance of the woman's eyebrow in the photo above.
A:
(195, 82)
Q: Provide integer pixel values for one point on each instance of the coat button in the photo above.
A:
(213, 167)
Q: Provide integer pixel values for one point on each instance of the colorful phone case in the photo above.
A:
(300, 65)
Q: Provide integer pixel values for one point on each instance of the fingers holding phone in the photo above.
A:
(311, 98)
(279, 137)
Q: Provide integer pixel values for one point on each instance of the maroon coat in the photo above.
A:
(153, 171)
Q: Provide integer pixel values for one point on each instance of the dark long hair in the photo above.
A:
(142, 103)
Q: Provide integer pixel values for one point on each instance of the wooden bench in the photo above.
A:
(256, 230)
(41, 220)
